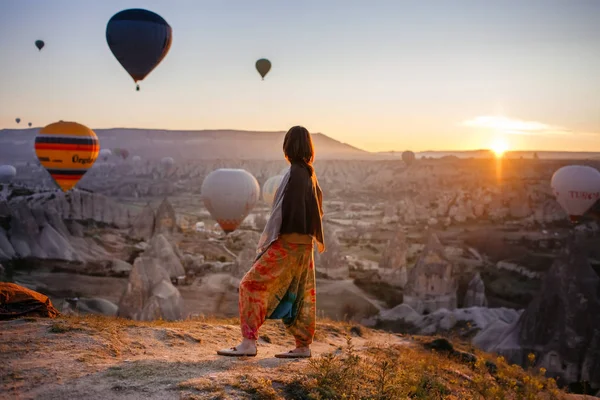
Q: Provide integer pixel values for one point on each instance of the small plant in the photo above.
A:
(258, 388)
(61, 327)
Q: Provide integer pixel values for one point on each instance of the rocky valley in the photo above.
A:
(477, 249)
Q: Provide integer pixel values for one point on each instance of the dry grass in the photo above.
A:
(399, 372)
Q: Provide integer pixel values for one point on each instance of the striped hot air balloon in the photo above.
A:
(67, 150)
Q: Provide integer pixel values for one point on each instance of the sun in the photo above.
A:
(499, 147)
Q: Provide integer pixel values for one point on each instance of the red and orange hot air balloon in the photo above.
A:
(67, 150)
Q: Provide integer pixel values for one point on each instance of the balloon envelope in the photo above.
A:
(29, 124)
(577, 188)
(18, 120)
(167, 161)
(136, 159)
(39, 44)
(67, 150)
(7, 173)
(263, 66)
(105, 153)
(139, 39)
(408, 157)
(270, 188)
(229, 195)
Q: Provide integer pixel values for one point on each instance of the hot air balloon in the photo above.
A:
(408, 157)
(29, 124)
(67, 150)
(167, 161)
(18, 120)
(139, 39)
(124, 154)
(284, 170)
(136, 159)
(263, 66)
(270, 188)
(167, 164)
(7, 173)
(105, 153)
(229, 195)
(39, 44)
(577, 188)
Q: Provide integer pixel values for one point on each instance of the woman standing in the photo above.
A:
(281, 283)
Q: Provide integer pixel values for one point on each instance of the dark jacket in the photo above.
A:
(302, 207)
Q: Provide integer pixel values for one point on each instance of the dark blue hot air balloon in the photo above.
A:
(139, 39)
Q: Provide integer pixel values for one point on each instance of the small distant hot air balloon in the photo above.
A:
(167, 161)
(139, 39)
(39, 44)
(29, 124)
(105, 154)
(67, 150)
(577, 188)
(263, 66)
(124, 154)
(408, 157)
(167, 164)
(270, 188)
(284, 171)
(136, 159)
(7, 173)
(229, 195)
(18, 120)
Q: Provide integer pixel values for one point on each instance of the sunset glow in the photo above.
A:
(499, 147)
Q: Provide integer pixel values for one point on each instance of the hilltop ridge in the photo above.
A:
(104, 358)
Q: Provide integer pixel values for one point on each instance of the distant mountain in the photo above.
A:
(546, 155)
(17, 144)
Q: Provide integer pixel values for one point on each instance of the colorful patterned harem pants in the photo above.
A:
(281, 285)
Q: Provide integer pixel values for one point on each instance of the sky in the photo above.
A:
(377, 74)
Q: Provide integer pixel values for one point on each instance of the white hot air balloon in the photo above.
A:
(229, 195)
(200, 227)
(167, 161)
(105, 153)
(136, 159)
(270, 188)
(167, 165)
(7, 173)
(577, 188)
(284, 171)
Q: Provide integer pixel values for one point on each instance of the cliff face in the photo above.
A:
(562, 322)
(111, 358)
(47, 226)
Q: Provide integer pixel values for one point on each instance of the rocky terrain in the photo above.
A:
(447, 246)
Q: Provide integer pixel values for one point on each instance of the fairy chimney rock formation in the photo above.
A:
(143, 225)
(561, 324)
(431, 283)
(392, 267)
(166, 220)
(475, 296)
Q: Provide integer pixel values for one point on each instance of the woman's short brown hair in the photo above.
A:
(298, 146)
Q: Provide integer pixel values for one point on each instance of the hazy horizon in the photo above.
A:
(386, 77)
